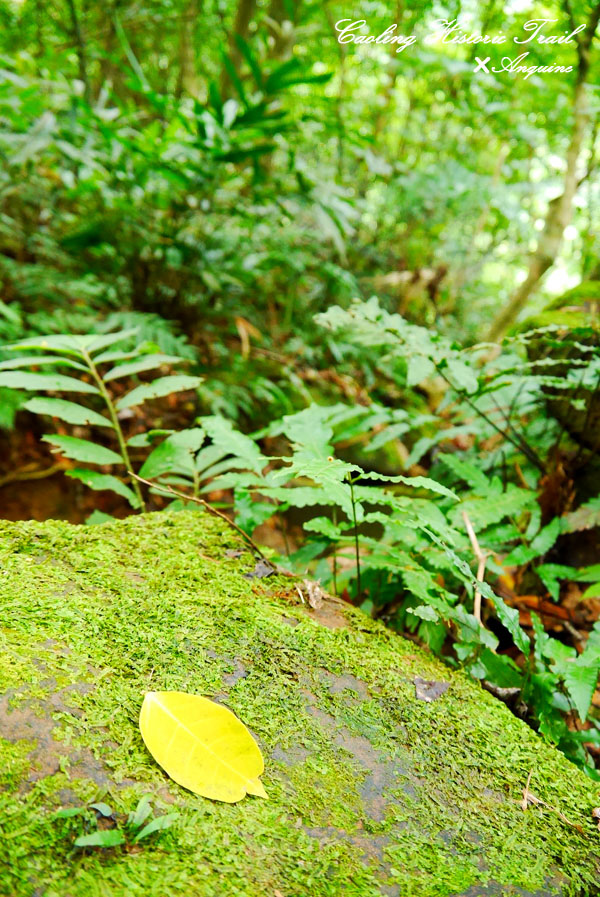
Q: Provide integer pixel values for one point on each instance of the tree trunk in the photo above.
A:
(241, 26)
(282, 38)
(560, 209)
(188, 76)
(80, 48)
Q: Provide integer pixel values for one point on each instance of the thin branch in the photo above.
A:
(25, 475)
(481, 559)
(573, 24)
(200, 501)
(529, 798)
(527, 451)
(116, 424)
(356, 545)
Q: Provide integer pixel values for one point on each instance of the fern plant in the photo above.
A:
(89, 365)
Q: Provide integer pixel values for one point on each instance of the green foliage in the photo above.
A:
(134, 829)
(398, 543)
(244, 195)
(94, 356)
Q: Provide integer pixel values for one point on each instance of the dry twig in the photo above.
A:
(529, 798)
(481, 559)
(200, 501)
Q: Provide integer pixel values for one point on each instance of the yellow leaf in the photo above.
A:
(201, 745)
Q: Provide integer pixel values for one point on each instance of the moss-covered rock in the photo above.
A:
(371, 790)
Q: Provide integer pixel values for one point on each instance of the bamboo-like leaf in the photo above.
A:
(83, 450)
(109, 339)
(110, 837)
(101, 481)
(156, 825)
(70, 412)
(66, 343)
(174, 455)
(164, 386)
(145, 363)
(54, 382)
(581, 680)
(202, 746)
(116, 355)
(141, 812)
(27, 361)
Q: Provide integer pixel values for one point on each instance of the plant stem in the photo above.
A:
(358, 585)
(115, 422)
(200, 501)
(334, 571)
(518, 443)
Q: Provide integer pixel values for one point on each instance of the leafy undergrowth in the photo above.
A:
(467, 551)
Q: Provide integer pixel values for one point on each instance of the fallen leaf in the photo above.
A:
(202, 746)
(429, 689)
(263, 568)
(314, 594)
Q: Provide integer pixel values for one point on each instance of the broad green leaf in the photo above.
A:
(202, 746)
(143, 440)
(546, 538)
(581, 680)
(69, 344)
(250, 58)
(419, 368)
(70, 412)
(324, 526)
(492, 508)
(164, 386)
(586, 516)
(83, 450)
(522, 554)
(104, 481)
(141, 812)
(467, 471)
(550, 574)
(588, 574)
(145, 363)
(499, 669)
(53, 382)
(110, 837)
(425, 612)
(26, 361)
(462, 376)
(242, 447)
(156, 825)
(309, 429)
(296, 496)
(174, 455)
(102, 808)
(98, 517)
(96, 343)
(116, 355)
(508, 616)
(415, 483)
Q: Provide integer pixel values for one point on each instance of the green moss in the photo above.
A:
(371, 791)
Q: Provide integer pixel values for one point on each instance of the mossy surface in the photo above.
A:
(371, 791)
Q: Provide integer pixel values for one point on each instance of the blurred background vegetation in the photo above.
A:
(225, 185)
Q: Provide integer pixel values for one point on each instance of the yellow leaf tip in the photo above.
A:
(257, 788)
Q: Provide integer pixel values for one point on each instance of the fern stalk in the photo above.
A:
(116, 424)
